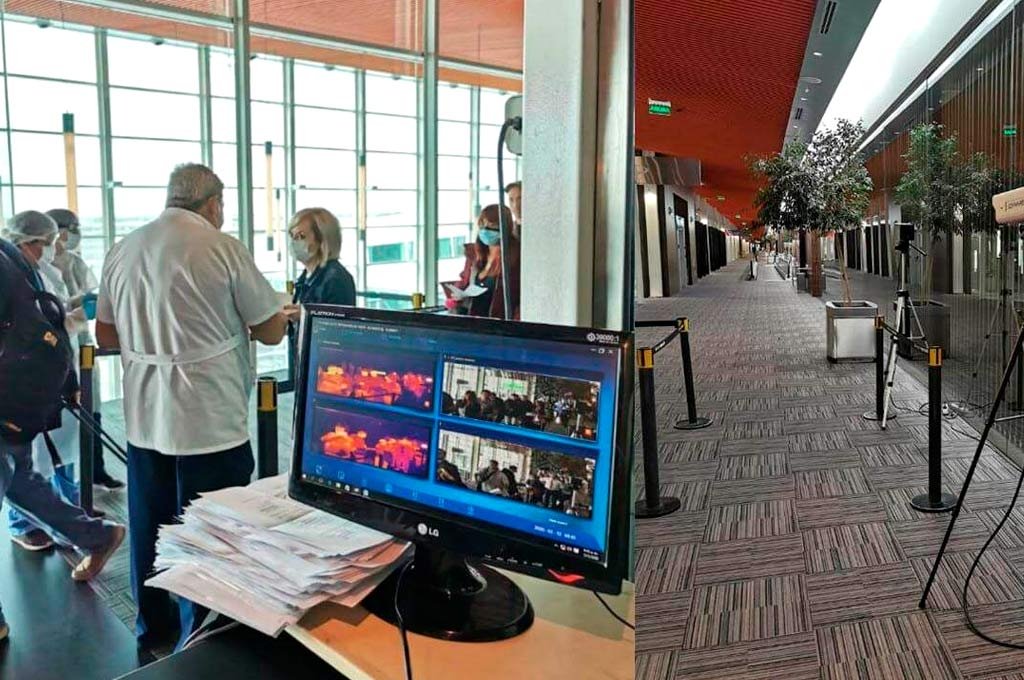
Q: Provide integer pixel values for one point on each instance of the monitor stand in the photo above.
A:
(444, 597)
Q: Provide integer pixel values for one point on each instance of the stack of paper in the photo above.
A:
(263, 559)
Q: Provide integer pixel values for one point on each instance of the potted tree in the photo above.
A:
(941, 192)
(843, 193)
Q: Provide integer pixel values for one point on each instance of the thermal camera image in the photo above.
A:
(405, 380)
(369, 440)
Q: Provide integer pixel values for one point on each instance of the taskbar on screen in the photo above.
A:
(541, 535)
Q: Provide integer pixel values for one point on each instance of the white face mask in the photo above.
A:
(48, 253)
(300, 250)
(73, 241)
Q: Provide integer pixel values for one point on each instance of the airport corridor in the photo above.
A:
(795, 554)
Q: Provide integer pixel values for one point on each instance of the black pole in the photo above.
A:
(86, 362)
(935, 500)
(266, 428)
(692, 422)
(879, 411)
(654, 504)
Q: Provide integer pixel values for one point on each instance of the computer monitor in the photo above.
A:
(482, 441)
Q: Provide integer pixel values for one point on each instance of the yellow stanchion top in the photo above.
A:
(645, 357)
(683, 324)
(879, 322)
(86, 357)
(934, 356)
(267, 400)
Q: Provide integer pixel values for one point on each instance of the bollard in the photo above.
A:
(654, 504)
(878, 413)
(692, 422)
(935, 500)
(86, 442)
(417, 300)
(266, 428)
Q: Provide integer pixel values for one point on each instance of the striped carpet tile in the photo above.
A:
(741, 611)
(695, 496)
(803, 461)
(829, 483)
(664, 569)
(655, 665)
(754, 416)
(749, 447)
(819, 441)
(988, 495)
(883, 590)
(750, 520)
(659, 618)
(990, 468)
(692, 471)
(793, 657)
(897, 503)
(685, 452)
(994, 580)
(677, 528)
(893, 454)
(752, 490)
(760, 404)
(814, 412)
(813, 513)
(976, 657)
(904, 647)
(922, 537)
(753, 430)
(757, 557)
(849, 547)
(879, 437)
(813, 426)
(753, 467)
(894, 477)
(1012, 533)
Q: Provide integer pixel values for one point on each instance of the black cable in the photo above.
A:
(974, 565)
(401, 621)
(611, 611)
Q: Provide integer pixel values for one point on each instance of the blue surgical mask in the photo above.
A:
(490, 237)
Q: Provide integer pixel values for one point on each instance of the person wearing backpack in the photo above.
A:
(36, 379)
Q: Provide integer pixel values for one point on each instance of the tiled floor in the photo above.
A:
(795, 554)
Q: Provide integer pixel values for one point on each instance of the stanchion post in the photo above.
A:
(692, 422)
(86, 442)
(879, 411)
(417, 300)
(266, 428)
(653, 504)
(935, 500)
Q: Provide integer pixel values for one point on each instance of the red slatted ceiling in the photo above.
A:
(730, 69)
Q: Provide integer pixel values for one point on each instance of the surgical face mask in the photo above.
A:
(74, 240)
(490, 237)
(48, 252)
(300, 250)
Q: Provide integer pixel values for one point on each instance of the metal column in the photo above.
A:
(427, 241)
(360, 84)
(243, 122)
(106, 154)
(205, 106)
(474, 158)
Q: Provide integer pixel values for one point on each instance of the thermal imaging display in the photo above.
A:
(511, 431)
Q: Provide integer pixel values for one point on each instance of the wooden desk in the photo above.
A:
(572, 636)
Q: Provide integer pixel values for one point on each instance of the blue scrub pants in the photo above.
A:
(33, 496)
(159, 488)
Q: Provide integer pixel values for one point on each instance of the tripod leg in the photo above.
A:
(989, 422)
(890, 366)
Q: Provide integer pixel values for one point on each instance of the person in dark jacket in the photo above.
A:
(315, 241)
(483, 268)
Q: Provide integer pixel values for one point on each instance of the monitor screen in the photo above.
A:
(512, 429)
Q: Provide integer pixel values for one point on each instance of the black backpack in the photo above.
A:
(36, 358)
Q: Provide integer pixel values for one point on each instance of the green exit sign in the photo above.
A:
(659, 108)
(1009, 131)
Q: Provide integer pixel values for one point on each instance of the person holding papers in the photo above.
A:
(478, 292)
(182, 300)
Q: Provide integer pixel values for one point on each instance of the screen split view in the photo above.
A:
(511, 432)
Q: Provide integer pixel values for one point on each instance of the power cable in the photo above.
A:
(611, 611)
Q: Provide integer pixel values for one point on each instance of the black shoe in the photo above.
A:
(109, 483)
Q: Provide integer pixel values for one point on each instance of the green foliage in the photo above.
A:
(942, 191)
(823, 187)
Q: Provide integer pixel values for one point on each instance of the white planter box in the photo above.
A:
(850, 330)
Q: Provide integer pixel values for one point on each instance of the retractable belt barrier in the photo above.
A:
(266, 427)
(935, 500)
(654, 504)
(86, 439)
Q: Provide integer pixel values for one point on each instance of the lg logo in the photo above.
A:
(424, 530)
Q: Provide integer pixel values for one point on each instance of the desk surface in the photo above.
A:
(572, 636)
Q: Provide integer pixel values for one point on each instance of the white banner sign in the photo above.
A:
(1009, 206)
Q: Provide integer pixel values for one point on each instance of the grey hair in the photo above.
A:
(191, 185)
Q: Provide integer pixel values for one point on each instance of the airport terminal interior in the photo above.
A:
(846, 155)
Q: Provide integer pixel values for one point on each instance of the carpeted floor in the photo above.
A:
(796, 554)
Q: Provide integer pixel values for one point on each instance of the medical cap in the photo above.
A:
(63, 217)
(30, 225)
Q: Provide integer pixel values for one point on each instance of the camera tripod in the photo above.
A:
(906, 313)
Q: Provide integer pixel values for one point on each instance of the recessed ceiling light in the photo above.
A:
(981, 68)
(817, 54)
(737, 215)
(803, 99)
(720, 198)
(797, 127)
(810, 80)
